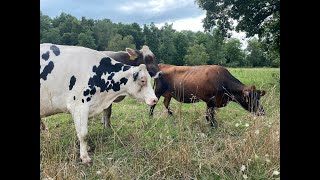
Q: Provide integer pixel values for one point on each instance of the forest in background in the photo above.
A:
(168, 45)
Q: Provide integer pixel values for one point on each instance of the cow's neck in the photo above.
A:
(107, 97)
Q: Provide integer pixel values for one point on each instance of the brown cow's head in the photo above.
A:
(145, 56)
(251, 100)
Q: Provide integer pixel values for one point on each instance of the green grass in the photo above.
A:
(179, 147)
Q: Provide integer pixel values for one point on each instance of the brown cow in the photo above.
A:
(212, 84)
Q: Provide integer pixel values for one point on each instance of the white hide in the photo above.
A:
(55, 96)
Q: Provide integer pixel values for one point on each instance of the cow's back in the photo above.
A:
(187, 82)
(64, 73)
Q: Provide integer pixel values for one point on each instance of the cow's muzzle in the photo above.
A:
(152, 101)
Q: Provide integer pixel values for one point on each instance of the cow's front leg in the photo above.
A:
(210, 114)
(166, 103)
(80, 118)
(106, 117)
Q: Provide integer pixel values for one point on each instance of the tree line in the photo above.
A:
(168, 45)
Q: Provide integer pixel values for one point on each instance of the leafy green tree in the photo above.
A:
(52, 36)
(191, 36)
(260, 17)
(70, 25)
(134, 30)
(274, 58)
(233, 54)
(167, 50)
(86, 40)
(119, 43)
(201, 38)
(255, 55)
(196, 55)
(215, 48)
(151, 35)
(45, 24)
(103, 31)
(181, 44)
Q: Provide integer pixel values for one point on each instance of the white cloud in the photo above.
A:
(154, 6)
(193, 24)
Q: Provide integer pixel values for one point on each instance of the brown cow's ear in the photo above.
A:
(132, 53)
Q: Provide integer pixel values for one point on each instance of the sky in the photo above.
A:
(183, 14)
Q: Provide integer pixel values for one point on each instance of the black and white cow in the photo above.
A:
(133, 58)
(83, 82)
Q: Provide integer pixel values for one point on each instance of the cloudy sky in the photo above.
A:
(184, 14)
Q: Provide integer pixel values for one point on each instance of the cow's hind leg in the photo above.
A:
(106, 117)
(80, 117)
(42, 126)
(210, 114)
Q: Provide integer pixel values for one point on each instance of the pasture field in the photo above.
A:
(185, 146)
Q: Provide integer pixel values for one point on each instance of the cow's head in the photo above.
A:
(251, 100)
(140, 85)
(145, 56)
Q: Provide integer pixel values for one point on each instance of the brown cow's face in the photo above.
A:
(152, 66)
(150, 61)
(251, 100)
(145, 56)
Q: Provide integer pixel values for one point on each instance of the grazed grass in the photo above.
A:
(179, 147)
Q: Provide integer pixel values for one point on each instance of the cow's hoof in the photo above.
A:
(86, 160)
(107, 126)
(214, 125)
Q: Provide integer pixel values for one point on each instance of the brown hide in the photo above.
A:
(212, 84)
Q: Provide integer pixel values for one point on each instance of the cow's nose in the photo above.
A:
(154, 101)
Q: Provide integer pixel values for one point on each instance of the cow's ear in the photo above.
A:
(253, 88)
(132, 53)
(135, 76)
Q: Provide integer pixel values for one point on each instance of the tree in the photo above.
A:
(86, 40)
(52, 36)
(260, 17)
(274, 58)
(152, 38)
(215, 49)
(45, 24)
(255, 55)
(167, 50)
(181, 43)
(103, 31)
(69, 28)
(196, 55)
(117, 43)
(134, 30)
(233, 54)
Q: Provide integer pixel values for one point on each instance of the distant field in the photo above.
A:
(181, 147)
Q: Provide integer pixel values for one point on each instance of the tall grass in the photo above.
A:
(184, 146)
